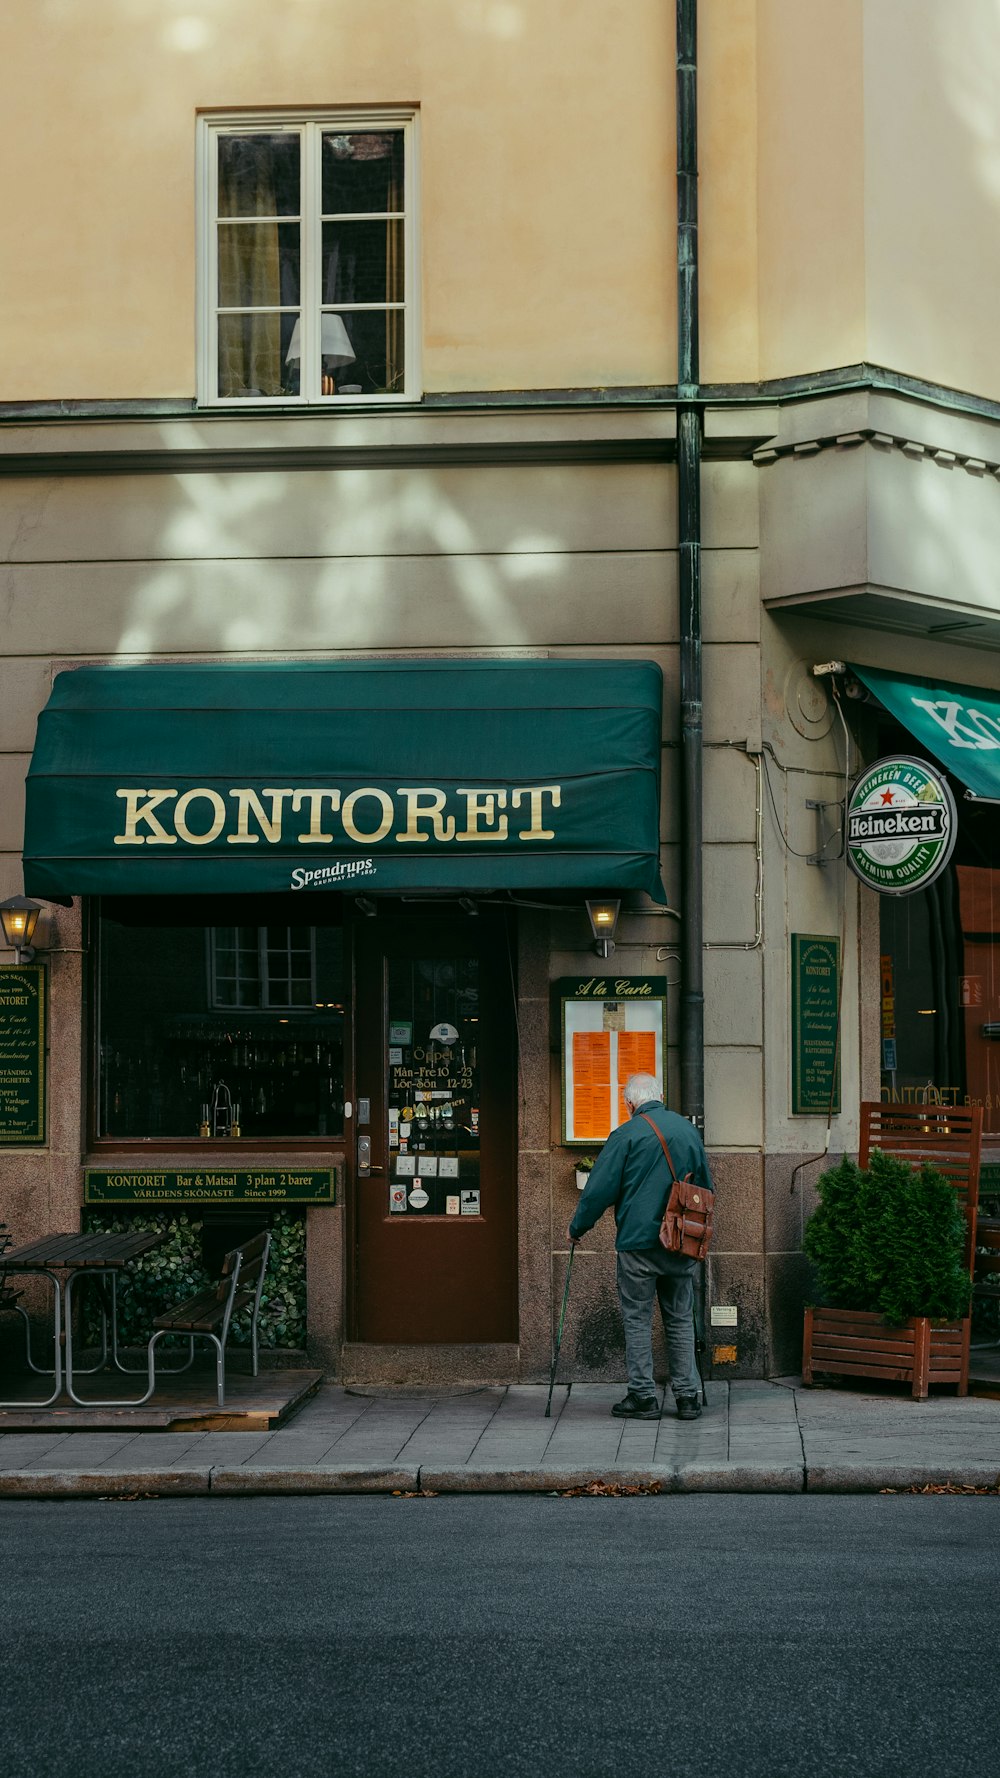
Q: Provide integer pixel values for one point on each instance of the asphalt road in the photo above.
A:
(450, 1638)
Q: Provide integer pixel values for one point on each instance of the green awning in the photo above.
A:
(380, 775)
(958, 724)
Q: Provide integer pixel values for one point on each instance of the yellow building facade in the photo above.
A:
(346, 334)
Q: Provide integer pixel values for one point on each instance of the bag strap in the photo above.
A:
(663, 1144)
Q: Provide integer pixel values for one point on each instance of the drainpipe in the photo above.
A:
(689, 450)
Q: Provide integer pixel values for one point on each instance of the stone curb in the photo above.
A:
(741, 1478)
(373, 1478)
(496, 1479)
(731, 1478)
(347, 1478)
(870, 1478)
(94, 1484)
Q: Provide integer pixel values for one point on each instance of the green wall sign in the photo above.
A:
(211, 1185)
(22, 1056)
(815, 1003)
(901, 825)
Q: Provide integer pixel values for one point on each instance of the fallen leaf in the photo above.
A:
(614, 1490)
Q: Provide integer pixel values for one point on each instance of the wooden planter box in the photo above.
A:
(858, 1343)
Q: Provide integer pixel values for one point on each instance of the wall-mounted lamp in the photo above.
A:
(468, 906)
(603, 920)
(366, 906)
(19, 918)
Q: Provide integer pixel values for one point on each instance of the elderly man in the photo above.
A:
(631, 1173)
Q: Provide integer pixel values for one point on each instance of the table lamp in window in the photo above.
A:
(335, 349)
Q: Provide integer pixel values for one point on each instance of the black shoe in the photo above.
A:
(688, 1407)
(637, 1407)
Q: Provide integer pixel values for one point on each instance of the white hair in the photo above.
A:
(639, 1088)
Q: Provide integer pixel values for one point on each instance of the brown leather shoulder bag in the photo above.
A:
(687, 1220)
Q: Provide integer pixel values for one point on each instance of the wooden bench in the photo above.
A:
(208, 1315)
(950, 1137)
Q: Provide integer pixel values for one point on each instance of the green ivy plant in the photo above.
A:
(890, 1238)
(176, 1270)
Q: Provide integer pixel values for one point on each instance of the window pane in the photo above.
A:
(258, 265)
(259, 175)
(375, 337)
(169, 1042)
(362, 262)
(258, 355)
(362, 171)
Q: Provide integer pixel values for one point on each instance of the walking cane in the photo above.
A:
(698, 1312)
(559, 1332)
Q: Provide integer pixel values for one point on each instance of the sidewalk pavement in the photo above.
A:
(752, 1438)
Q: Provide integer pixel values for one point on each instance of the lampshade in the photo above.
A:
(19, 917)
(603, 917)
(335, 346)
(603, 920)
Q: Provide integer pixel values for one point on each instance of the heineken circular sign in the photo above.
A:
(901, 825)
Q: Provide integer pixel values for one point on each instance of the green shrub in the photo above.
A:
(176, 1270)
(890, 1238)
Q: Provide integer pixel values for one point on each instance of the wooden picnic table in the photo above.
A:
(63, 1258)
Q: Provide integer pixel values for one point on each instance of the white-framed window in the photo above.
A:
(307, 263)
(272, 967)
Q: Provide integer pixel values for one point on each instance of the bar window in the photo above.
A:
(307, 259)
(219, 1033)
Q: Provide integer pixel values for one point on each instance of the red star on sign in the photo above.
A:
(887, 796)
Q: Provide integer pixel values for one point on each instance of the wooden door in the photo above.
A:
(434, 1131)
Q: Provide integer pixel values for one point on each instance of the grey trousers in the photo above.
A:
(644, 1274)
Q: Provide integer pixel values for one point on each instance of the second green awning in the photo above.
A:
(380, 775)
(958, 724)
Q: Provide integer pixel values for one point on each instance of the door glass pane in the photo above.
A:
(432, 1043)
(258, 265)
(362, 171)
(259, 175)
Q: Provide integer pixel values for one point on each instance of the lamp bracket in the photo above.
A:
(836, 832)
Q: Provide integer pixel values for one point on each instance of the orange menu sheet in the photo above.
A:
(591, 1085)
(636, 1055)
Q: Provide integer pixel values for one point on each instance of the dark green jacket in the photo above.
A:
(631, 1173)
